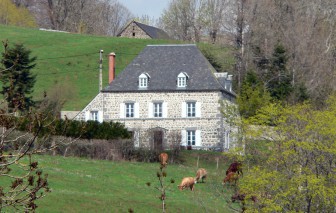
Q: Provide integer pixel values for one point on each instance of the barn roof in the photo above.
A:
(153, 32)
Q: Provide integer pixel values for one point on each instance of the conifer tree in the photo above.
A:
(16, 77)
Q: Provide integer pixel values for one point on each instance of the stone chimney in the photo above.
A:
(111, 67)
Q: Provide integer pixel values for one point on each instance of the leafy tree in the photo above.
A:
(13, 15)
(300, 172)
(16, 77)
(278, 79)
(252, 96)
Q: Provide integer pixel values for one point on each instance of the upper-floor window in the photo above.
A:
(191, 109)
(182, 79)
(157, 110)
(143, 80)
(129, 110)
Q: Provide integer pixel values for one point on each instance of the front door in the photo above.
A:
(158, 140)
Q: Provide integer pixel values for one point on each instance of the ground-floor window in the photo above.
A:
(191, 137)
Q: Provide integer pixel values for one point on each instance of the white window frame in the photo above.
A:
(94, 115)
(191, 138)
(182, 80)
(129, 110)
(143, 80)
(186, 109)
(191, 109)
(157, 109)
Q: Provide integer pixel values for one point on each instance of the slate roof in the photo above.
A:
(163, 63)
(151, 31)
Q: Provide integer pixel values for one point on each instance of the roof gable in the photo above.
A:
(153, 32)
(164, 63)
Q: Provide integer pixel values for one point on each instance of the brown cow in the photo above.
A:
(187, 182)
(163, 157)
(231, 177)
(201, 174)
(235, 167)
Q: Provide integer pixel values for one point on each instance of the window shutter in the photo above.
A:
(198, 109)
(87, 115)
(184, 109)
(100, 117)
(164, 110)
(150, 110)
(184, 138)
(122, 110)
(136, 110)
(198, 138)
(136, 138)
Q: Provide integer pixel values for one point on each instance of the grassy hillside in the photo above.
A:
(82, 185)
(69, 63)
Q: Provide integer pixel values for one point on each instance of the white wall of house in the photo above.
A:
(207, 123)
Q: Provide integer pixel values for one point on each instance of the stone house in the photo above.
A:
(136, 29)
(168, 93)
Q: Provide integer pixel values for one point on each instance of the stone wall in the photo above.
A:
(133, 31)
(210, 123)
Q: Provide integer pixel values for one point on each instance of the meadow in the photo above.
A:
(68, 64)
(85, 185)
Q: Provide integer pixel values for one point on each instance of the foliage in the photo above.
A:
(12, 15)
(23, 181)
(299, 174)
(279, 80)
(252, 96)
(16, 77)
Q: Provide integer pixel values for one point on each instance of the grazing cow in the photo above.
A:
(231, 177)
(187, 182)
(201, 174)
(235, 167)
(163, 157)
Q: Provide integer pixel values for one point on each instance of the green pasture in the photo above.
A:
(69, 62)
(84, 185)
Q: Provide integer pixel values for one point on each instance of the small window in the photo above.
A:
(191, 109)
(143, 80)
(129, 108)
(157, 110)
(133, 34)
(182, 79)
(94, 115)
(191, 137)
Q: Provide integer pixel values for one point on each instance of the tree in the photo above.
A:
(252, 96)
(103, 17)
(278, 80)
(16, 77)
(10, 14)
(300, 172)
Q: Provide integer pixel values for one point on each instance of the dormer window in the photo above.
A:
(143, 80)
(182, 79)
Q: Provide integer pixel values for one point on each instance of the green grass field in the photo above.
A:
(67, 64)
(71, 61)
(83, 185)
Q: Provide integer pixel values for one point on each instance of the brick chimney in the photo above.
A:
(111, 67)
